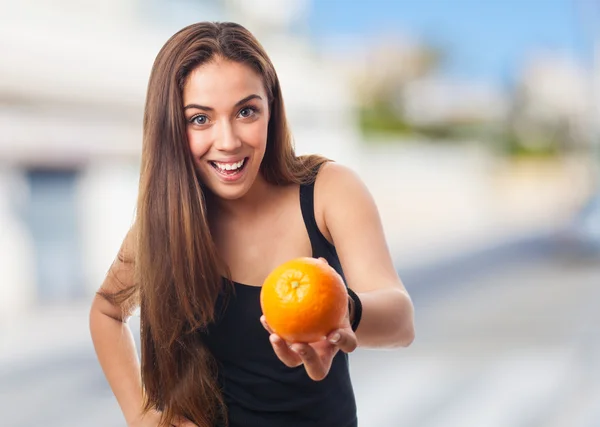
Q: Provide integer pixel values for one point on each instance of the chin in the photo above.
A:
(229, 191)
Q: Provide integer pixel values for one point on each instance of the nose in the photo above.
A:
(226, 138)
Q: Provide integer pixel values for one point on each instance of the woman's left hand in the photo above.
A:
(317, 356)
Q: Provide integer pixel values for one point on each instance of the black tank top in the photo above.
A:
(259, 390)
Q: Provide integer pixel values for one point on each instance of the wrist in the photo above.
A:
(354, 309)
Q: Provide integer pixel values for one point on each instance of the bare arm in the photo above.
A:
(348, 217)
(352, 222)
(113, 340)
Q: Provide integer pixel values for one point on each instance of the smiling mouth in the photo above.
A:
(230, 169)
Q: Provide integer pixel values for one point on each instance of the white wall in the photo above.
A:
(107, 195)
(17, 265)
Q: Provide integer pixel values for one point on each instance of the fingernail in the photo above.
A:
(335, 337)
(273, 339)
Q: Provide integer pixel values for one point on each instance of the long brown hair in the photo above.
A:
(178, 273)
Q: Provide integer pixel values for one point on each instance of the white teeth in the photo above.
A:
(230, 166)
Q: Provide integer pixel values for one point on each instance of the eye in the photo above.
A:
(199, 120)
(247, 112)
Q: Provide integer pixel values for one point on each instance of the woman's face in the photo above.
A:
(226, 109)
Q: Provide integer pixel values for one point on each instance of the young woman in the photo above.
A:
(223, 200)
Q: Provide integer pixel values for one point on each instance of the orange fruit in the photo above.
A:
(304, 299)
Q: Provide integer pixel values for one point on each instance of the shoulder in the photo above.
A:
(337, 183)
(128, 246)
(342, 200)
(334, 174)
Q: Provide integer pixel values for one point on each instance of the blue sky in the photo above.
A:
(485, 39)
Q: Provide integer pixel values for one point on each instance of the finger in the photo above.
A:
(182, 422)
(284, 353)
(344, 339)
(316, 368)
(263, 320)
(323, 259)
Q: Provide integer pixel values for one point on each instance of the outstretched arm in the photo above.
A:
(348, 217)
(353, 224)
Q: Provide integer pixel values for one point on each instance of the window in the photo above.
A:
(51, 215)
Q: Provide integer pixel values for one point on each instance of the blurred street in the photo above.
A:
(503, 339)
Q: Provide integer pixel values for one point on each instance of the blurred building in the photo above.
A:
(403, 71)
(554, 96)
(72, 86)
(434, 100)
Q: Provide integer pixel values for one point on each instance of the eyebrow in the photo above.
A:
(237, 104)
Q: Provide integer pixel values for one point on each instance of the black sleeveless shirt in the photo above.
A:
(259, 390)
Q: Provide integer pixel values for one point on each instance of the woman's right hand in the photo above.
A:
(149, 419)
(182, 422)
(152, 419)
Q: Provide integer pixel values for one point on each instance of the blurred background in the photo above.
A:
(473, 123)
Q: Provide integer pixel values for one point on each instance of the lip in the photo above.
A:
(230, 178)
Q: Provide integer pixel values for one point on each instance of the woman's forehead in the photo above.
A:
(222, 83)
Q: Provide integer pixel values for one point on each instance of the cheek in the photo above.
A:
(199, 144)
(255, 135)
